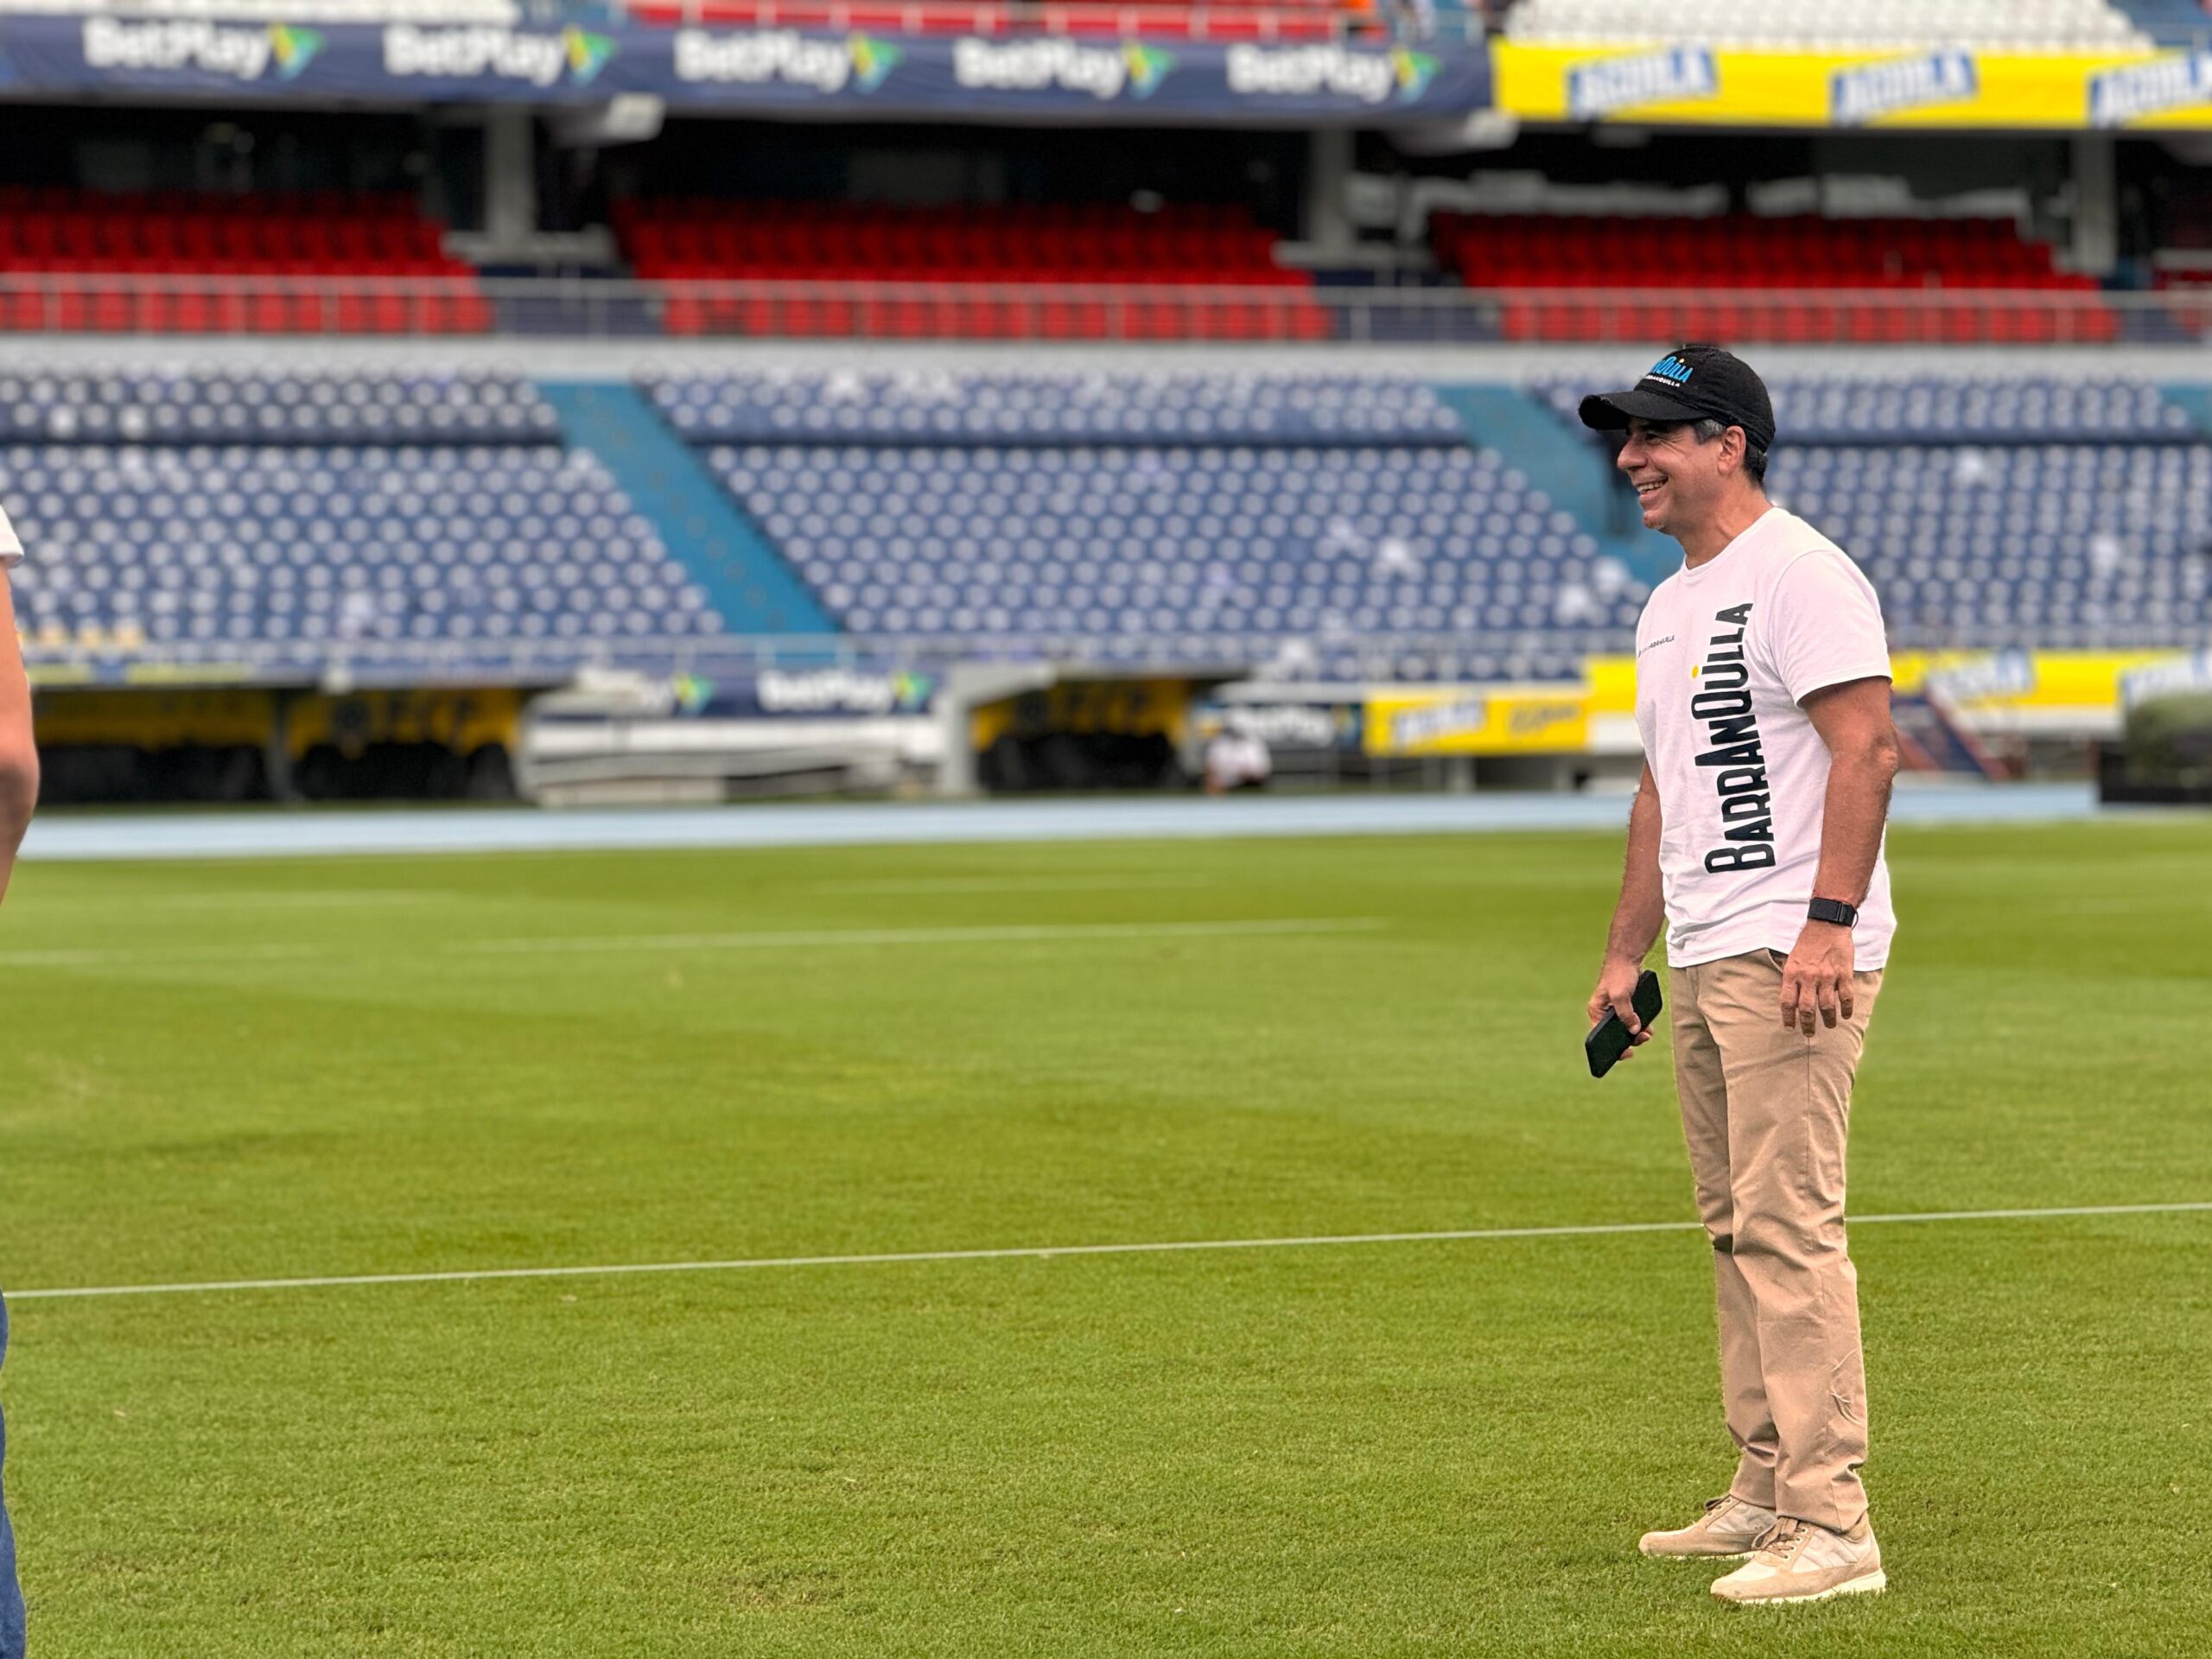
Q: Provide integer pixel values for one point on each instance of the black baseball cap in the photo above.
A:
(1691, 382)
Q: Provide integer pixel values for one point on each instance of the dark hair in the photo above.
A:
(1754, 457)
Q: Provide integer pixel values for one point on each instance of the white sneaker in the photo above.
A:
(1799, 1561)
(1729, 1528)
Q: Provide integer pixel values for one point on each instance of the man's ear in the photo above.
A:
(1735, 444)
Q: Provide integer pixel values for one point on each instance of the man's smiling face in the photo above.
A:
(1677, 477)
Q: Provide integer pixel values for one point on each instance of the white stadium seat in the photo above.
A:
(1811, 25)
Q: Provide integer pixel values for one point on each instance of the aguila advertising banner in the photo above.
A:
(746, 70)
(1691, 84)
(1474, 720)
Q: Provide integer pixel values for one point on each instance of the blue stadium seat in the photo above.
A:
(1332, 510)
(180, 406)
(921, 408)
(1342, 521)
(1214, 541)
(443, 517)
(1924, 410)
(2057, 544)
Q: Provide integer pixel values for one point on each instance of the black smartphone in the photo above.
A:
(1608, 1039)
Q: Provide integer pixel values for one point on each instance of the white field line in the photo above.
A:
(301, 898)
(1007, 933)
(805, 938)
(927, 885)
(162, 956)
(1045, 1252)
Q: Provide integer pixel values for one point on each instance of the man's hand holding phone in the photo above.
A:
(1621, 1010)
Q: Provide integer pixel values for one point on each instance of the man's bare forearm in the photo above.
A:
(18, 740)
(1642, 908)
(18, 797)
(1857, 806)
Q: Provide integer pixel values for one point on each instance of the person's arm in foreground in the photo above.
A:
(1636, 919)
(18, 751)
(1853, 720)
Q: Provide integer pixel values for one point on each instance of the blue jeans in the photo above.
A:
(11, 1594)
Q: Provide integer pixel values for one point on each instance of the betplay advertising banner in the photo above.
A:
(747, 70)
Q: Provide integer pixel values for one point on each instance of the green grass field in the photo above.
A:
(317, 1067)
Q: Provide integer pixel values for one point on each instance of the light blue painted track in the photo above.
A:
(755, 591)
(281, 834)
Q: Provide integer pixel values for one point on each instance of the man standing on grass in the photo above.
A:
(18, 794)
(1763, 697)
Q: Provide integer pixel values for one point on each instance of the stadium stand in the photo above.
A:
(1739, 249)
(290, 518)
(1312, 410)
(1751, 266)
(2045, 25)
(1935, 409)
(195, 263)
(1337, 526)
(215, 407)
(1161, 513)
(1083, 272)
(2015, 512)
(1930, 411)
(2019, 543)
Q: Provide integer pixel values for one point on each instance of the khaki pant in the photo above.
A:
(1766, 1111)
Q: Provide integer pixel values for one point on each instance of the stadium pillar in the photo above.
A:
(276, 754)
(2095, 247)
(510, 178)
(1328, 178)
(964, 689)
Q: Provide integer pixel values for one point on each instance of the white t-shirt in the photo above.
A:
(11, 549)
(1724, 655)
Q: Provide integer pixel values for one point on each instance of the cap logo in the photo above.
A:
(1671, 369)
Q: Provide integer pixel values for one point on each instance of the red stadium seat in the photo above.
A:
(318, 238)
(1779, 264)
(1062, 245)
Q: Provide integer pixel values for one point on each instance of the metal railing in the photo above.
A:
(344, 664)
(598, 308)
(338, 666)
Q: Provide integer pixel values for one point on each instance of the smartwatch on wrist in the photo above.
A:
(1831, 910)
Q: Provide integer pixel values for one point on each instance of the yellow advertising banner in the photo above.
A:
(1465, 720)
(1697, 86)
(1529, 720)
(1971, 680)
(1975, 680)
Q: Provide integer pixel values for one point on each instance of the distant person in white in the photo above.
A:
(1763, 698)
(18, 794)
(1237, 760)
